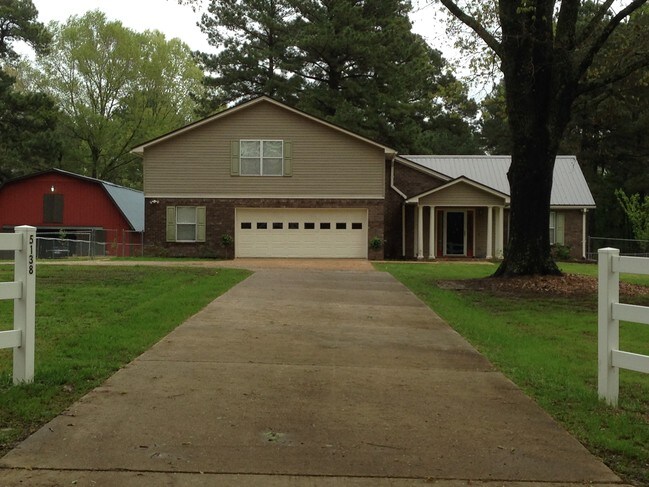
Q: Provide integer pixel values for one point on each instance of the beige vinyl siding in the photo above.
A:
(325, 162)
(461, 194)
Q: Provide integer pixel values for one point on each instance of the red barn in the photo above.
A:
(74, 214)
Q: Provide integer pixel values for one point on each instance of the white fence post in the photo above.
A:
(608, 328)
(24, 306)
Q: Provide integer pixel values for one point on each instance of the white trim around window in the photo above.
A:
(185, 224)
(261, 157)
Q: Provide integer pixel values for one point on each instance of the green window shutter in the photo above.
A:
(171, 223)
(200, 224)
(560, 223)
(234, 157)
(288, 158)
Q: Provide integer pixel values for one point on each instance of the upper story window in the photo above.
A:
(258, 157)
(262, 158)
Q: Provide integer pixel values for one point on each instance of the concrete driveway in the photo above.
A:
(303, 378)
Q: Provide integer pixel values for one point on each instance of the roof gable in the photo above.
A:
(569, 186)
(249, 104)
(462, 180)
(129, 202)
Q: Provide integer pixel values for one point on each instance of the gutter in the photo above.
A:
(392, 181)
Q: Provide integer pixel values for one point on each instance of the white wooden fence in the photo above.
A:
(22, 290)
(610, 311)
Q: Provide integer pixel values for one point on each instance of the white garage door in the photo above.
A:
(332, 233)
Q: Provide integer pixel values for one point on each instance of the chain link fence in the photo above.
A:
(88, 244)
(627, 246)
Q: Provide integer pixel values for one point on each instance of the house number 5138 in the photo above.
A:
(31, 254)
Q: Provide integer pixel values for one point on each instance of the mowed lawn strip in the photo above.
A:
(90, 321)
(548, 347)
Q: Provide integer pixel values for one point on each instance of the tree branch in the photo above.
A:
(595, 21)
(597, 44)
(483, 33)
(567, 24)
(627, 71)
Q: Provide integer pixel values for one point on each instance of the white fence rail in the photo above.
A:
(23, 291)
(610, 311)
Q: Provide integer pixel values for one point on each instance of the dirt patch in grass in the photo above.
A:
(567, 285)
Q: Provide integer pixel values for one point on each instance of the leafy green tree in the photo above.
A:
(607, 132)
(548, 58)
(28, 138)
(252, 36)
(354, 63)
(18, 23)
(116, 88)
(494, 129)
(28, 124)
(636, 209)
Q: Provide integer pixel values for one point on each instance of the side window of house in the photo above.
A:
(557, 223)
(186, 223)
(261, 158)
(52, 208)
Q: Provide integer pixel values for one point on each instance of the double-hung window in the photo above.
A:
(185, 223)
(261, 158)
(557, 228)
(553, 228)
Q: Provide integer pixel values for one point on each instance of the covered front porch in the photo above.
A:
(460, 219)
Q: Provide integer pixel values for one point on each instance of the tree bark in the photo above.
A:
(538, 96)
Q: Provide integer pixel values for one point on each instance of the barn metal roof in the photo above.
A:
(130, 203)
(569, 187)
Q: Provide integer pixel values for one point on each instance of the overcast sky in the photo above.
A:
(180, 21)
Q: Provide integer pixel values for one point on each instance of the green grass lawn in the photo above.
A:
(548, 346)
(90, 321)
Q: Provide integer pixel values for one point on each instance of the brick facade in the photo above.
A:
(220, 221)
(384, 219)
(410, 182)
(572, 235)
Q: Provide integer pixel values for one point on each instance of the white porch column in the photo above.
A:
(500, 232)
(490, 232)
(584, 237)
(403, 230)
(432, 241)
(420, 232)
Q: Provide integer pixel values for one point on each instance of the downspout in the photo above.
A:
(392, 181)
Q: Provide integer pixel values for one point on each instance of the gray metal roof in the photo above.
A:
(569, 187)
(130, 203)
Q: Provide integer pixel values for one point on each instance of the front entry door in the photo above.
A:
(455, 233)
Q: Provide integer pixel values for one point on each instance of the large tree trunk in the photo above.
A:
(528, 249)
(538, 101)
